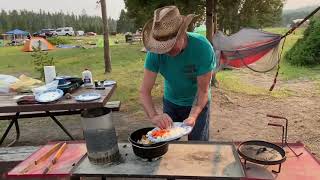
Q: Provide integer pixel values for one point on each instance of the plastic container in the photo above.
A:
(100, 136)
(5, 82)
(49, 73)
(87, 78)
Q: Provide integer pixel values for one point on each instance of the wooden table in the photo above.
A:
(10, 110)
(186, 160)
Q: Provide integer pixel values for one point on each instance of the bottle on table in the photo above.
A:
(87, 78)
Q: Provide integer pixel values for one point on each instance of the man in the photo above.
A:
(186, 61)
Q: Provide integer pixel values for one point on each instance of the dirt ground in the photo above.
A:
(234, 117)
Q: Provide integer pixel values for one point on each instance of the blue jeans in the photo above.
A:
(179, 113)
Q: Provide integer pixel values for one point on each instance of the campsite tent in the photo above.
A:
(36, 42)
(17, 32)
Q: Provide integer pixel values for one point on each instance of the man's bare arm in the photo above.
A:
(145, 93)
(201, 98)
(159, 119)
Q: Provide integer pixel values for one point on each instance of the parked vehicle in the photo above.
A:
(79, 33)
(65, 31)
(49, 32)
(39, 34)
(91, 34)
(45, 33)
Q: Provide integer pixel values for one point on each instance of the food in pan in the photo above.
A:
(144, 140)
(167, 134)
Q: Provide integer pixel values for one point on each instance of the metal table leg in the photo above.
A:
(14, 121)
(59, 124)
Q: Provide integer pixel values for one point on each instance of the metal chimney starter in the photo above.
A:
(100, 136)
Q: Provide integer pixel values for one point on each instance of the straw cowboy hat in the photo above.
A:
(160, 33)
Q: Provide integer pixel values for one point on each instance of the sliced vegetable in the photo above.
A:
(160, 132)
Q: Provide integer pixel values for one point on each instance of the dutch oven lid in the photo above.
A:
(262, 152)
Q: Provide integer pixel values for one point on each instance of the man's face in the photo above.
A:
(178, 46)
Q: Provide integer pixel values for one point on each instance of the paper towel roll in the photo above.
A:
(49, 73)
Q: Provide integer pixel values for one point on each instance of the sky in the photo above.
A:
(67, 6)
(113, 6)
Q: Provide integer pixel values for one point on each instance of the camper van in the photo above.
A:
(65, 31)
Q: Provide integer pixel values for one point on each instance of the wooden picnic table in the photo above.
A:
(10, 110)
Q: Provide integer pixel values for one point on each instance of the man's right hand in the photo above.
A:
(162, 121)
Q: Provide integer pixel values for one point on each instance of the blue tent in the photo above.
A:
(17, 32)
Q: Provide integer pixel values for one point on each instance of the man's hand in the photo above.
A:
(162, 121)
(190, 121)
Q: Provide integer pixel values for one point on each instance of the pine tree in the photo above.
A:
(31, 21)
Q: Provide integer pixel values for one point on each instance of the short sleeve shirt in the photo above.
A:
(180, 72)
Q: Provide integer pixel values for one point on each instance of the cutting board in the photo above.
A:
(69, 158)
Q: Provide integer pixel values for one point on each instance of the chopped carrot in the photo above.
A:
(159, 133)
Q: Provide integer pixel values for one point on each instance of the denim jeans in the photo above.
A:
(178, 113)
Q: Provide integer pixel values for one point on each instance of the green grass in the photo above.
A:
(231, 82)
(289, 72)
(127, 68)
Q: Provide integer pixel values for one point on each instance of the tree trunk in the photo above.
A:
(107, 61)
(215, 18)
(209, 19)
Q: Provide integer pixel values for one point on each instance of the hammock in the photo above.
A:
(252, 48)
(255, 49)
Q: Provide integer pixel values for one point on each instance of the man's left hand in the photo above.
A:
(190, 121)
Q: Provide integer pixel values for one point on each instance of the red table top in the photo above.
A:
(304, 167)
(69, 158)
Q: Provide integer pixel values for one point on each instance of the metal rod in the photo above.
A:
(279, 169)
(16, 124)
(285, 133)
(245, 164)
(13, 120)
(282, 136)
(297, 155)
(60, 125)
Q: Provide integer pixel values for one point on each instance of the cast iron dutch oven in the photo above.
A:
(147, 151)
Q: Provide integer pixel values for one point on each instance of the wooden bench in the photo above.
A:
(113, 105)
(11, 156)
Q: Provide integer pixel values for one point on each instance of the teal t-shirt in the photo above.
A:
(180, 72)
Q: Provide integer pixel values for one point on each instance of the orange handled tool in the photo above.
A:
(55, 158)
(42, 158)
